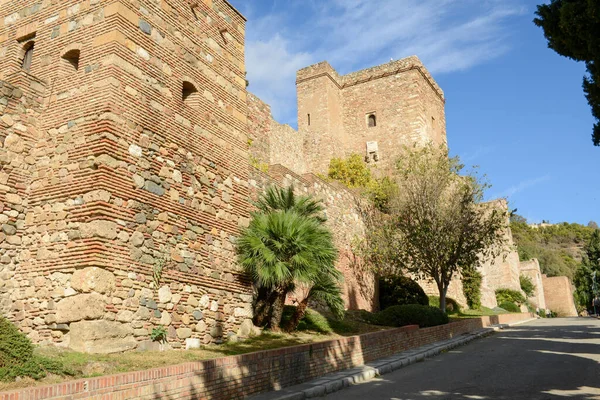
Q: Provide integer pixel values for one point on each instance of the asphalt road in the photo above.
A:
(545, 359)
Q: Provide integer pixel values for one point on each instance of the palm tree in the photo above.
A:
(278, 199)
(285, 245)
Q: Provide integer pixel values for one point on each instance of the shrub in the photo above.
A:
(542, 313)
(452, 306)
(159, 334)
(17, 358)
(15, 347)
(509, 295)
(471, 280)
(410, 314)
(527, 285)
(509, 306)
(400, 290)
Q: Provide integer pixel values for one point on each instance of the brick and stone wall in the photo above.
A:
(558, 293)
(240, 376)
(272, 142)
(124, 153)
(344, 218)
(531, 269)
(333, 111)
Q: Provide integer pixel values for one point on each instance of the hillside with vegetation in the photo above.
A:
(559, 247)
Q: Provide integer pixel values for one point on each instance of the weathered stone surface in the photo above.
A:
(197, 315)
(137, 239)
(99, 228)
(14, 143)
(101, 337)
(125, 316)
(246, 329)
(244, 312)
(192, 343)
(164, 294)
(93, 279)
(165, 318)
(184, 333)
(81, 306)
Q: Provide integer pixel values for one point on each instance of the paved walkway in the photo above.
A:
(344, 379)
(544, 359)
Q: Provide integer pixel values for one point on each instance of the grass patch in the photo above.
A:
(316, 327)
(482, 312)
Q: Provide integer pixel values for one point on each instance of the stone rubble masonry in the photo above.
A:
(108, 174)
(558, 292)
(531, 269)
(343, 207)
(237, 377)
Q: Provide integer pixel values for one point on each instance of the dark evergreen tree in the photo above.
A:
(572, 28)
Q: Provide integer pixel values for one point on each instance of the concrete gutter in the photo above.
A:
(339, 380)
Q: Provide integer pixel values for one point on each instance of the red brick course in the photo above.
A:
(239, 376)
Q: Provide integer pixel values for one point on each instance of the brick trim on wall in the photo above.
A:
(240, 376)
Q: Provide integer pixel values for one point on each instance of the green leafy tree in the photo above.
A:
(584, 293)
(471, 280)
(559, 248)
(354, 173)
(436, 226)
(572, 28)
(527, 285)
(288, 247)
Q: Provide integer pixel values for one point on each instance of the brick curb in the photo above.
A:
(339, 380)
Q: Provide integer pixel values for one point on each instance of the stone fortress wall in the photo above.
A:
(130, 153)
(558, 293)
(125, 150)
(531, 269)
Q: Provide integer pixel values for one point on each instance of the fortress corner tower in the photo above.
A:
(123, 169)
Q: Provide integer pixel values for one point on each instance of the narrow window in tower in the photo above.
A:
(70, 61)
(371, 121)
(308, 117)
(27, 57)
(190, 95)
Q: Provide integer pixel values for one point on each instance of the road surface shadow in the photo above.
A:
(558, 359)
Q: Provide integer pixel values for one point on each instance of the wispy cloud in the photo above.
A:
(477, 153)
(448, 35)
(521, 186)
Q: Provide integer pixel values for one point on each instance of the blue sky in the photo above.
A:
(514, 107)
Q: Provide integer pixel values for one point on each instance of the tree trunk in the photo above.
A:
(277, 310)
(292, 324)
(443, 289)
(262, 306)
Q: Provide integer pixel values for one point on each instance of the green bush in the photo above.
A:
(527, 285)
(312, 321)
(509, 306)
(452, 306)
(400, 290)
(17, 358)
(471, 280)
(15, 347)
(410, 314)
(509, 295)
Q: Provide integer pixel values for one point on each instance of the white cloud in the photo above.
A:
(448, 35)
(521, 186)
(273, 74)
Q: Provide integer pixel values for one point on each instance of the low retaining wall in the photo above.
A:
(236, 377)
